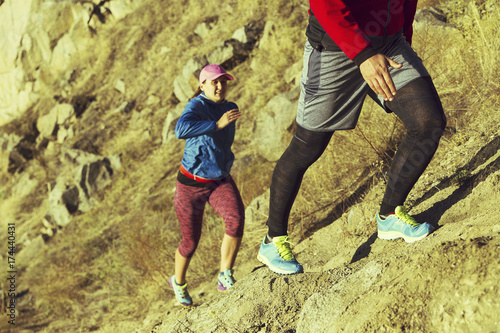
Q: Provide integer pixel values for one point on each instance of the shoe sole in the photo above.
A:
(221, 288)
(275, 269)
(391, 235)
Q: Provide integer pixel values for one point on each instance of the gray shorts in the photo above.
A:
(333, 90)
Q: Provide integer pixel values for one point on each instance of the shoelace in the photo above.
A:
(181, 290)
(228, 280)
(405, 217)
(284, 250)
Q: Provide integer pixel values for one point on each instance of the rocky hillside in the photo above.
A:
(89, 94)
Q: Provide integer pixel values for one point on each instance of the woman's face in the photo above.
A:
(215, 89)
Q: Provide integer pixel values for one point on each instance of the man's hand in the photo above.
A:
(375, 73)
(227, 118)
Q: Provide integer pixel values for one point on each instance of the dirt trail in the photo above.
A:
(355, 282)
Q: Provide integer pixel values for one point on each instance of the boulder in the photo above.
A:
(46, 124)
(15, 96)
(269, 29)
(168, 132)
(82, 176)
(185, 82)
(323, 310)
(273, 126)
(57, 116)
(21, 153)
(228, 54)
(204, 28)
(240, 35)
(257, 212)
(7, 144)
(431, 16)
(42, 40)
(120, 86)
(121, 8)
(64, 112)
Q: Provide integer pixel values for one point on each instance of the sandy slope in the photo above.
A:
(355, 282)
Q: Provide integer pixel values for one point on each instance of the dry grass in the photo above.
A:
(464, 62)
(130, 238)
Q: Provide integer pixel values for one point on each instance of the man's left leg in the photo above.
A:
(417, 104)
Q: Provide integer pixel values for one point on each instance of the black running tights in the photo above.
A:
(418, 106)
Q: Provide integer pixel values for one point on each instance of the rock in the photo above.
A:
(204, 28)
(228, 54)
(58, 115)
(223, 52)
(57, 210)
(7, 144)
(50, 229)
(63, 133)
(240, 35)
(21, 153)
(14, 96)
(47, 123)
(325, 309)
(34, 55)
(70, 199)
(258, 210)
(24, 186)
(430, 15)
(64, 112)
(95, 176)
(269, 29)
(264, 42)
(121, 8)
(153, 100)
(72, 41)
(58, 18)
(293, 73)
(120, 86)
(183, 86)
(168, 131)
(82, 175)
(273, 125)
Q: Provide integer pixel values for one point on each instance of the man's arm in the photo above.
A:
(336, 18)
(410, 8)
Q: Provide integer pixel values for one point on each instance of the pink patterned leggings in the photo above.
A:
(190, 201)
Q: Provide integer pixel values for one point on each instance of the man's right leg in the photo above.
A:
(332, 92)
(304, 149)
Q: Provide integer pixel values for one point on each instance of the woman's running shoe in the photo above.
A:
(226, 280)
(181, 292)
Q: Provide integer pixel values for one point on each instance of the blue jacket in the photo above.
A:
(207, 152)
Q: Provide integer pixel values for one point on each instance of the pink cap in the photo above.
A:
(211, 72)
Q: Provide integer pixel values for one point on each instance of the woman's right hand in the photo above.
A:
(228, 118)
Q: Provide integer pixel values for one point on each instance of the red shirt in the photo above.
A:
(347, 22)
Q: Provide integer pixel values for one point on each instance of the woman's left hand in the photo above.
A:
(228, 118)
